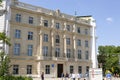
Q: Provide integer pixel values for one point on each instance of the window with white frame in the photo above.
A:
(17, 33)
(71, 69)
(86, 43)
(45, 38)
(18, 17)
(79, 54)
(29, 69)
(68, 41)
(57, 25)
(30, 50)
(57, 52)
(16, 49)
(68, 27)
(47, 69)
(78, 30)
(46, 23)
(68, 53)
(57, 39)
(78, 42)
(86, 55)
(30, 35)
(45, 50)
(15, 69)
(30, 20)
(79, 69)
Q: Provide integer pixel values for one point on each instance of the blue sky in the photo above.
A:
(106, 13)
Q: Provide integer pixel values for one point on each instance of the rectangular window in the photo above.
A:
(30, 35)
(15, 69)
(18, 17)
(30, 50)
(46, 23)
(68, 41)
(57, 52)
(79, 54)
(57, 25)
(45, 50)
(45, 38)
(16, 49)
(17, 33)
(78, 42)
(86, 43)
(86, 31)
(79, 69)
(30, 20)
(86, 55)
(68, 53)
(78, 30)
(68, 27)
(87, 69)
(29, 69)
(71, 69)
(47, 69)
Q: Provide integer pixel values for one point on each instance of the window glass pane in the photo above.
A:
(47, 69)
(29, 69)
(57, 25)
(45, 51)
(18, 17)
(71, 69)
(15, 69)
(30, 35)
(30, 20)
(30, 50)
(45, 23)
(17, 33)
(16, 49)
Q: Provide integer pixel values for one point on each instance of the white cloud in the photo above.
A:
(109, 19)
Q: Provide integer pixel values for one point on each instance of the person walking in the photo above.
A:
(42, 76)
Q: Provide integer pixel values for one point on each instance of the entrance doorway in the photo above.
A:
(59, 70)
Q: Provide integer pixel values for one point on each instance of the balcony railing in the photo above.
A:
(59, 58)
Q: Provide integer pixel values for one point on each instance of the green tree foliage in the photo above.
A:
(4, 64)
(4, 38)
(108, 58)
(1, 2)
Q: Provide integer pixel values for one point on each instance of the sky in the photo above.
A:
(105, 12)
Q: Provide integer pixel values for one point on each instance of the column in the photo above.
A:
(53, 23)
(74, 28)
(52, 44)
(74, 47)
(64, 45)
(41, 21)
(93, 44)
(65, 24)
(41, 40)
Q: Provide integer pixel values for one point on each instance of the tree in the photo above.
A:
(108, 57)
(4, 59)
(4, 64)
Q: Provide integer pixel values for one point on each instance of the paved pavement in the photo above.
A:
(70, 79)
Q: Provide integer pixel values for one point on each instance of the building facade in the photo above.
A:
(48, 41)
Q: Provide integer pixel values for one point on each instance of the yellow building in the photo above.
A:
(48, 41)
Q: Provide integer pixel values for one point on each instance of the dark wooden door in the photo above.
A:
(59, 70)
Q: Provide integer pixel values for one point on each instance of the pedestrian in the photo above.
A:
(62, 75)
(42, 76)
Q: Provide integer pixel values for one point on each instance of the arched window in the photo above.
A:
(57, 39)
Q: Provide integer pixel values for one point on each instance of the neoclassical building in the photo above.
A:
(47, 41)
